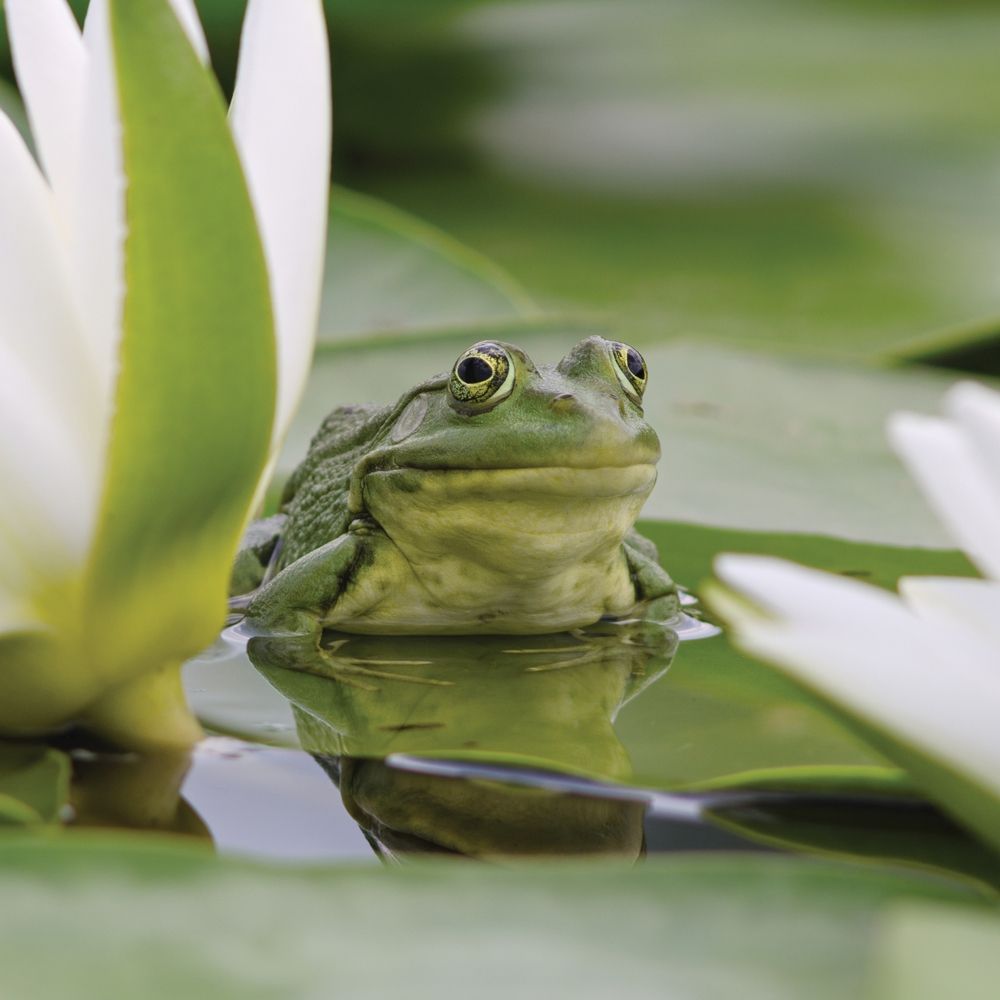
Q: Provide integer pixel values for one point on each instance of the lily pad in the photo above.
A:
(179, 923)
(387, 272)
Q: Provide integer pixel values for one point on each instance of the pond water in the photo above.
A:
(619, 740)
(611, 741)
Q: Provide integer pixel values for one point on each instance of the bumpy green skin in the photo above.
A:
(439, 516)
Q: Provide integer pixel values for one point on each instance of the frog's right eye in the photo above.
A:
(483, 374)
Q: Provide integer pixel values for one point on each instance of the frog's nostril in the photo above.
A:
(564, 402)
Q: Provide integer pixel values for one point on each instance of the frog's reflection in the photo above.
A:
(540, 703)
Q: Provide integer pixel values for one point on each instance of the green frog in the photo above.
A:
(499, 497)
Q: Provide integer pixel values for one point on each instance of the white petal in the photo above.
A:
(188, 17)
(281, 121)
(45, 507)
(42, 356)
(977, 411)
(39, 320)
(784, 589)
(965, 611)
(50, 62)
(98, 229)
(956, 483)
(880, 663)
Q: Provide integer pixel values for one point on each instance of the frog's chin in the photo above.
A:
(526, 484)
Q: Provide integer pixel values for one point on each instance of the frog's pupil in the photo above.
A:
(635, 365)
(473, 370)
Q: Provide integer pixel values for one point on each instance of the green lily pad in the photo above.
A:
(388, 272)
(974, 348)
(179, 923)
(34, 784)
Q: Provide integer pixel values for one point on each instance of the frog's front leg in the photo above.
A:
(652, 582)
(257, 548)
(298, 599)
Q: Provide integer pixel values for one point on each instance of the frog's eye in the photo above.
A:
(630, 369)
(484, 373)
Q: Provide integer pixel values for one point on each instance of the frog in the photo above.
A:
(499, 497)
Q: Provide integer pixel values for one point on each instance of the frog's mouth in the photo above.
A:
(551, 482)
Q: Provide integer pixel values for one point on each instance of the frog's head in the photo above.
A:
(500, 449)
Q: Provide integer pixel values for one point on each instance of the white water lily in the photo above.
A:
(920, 671)
(160, 274)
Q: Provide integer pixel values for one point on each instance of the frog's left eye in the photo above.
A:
(484, 373)
(630, 369)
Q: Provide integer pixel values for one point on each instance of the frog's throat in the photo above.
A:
(533, 542)
(581, 512)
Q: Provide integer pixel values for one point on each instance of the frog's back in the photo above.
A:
(316, 495)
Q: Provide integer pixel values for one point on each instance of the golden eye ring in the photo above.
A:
(630, 367)
(484, 373)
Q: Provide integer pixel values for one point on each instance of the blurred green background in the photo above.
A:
(783, 203)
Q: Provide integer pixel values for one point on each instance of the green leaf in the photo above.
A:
(195, 395)
(34, 784)
(180, 923)
(386, 272)
(689, 550)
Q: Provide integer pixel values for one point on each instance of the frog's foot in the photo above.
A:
(663, 610)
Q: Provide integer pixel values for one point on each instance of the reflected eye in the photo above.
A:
(482, 374)
(630, 369)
